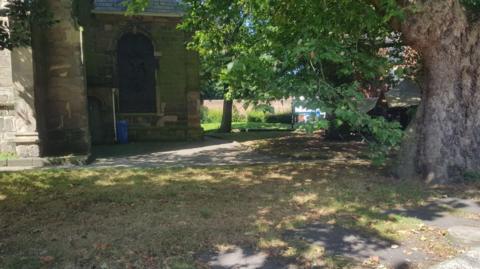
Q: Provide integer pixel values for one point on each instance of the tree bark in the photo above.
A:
(443, 142)
(226, 126)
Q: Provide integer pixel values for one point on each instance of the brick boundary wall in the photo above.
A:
(279, 106)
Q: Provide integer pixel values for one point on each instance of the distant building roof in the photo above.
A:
(170, 8)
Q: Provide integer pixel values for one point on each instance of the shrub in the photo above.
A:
(265, 108)
(215, 115)
(256, 116)
(279, 118)
(236, 116)
(472, 176)
(211, 115)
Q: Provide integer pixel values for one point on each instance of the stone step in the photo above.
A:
(465, 236)
(469, 260)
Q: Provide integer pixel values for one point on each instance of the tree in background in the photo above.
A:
(290, 49)
(224, 39)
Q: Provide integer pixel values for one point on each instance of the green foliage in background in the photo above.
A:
(256, 116)
(473, 9)
(211, 115)
(23, 15)
(285, 118)
(215, 115)
(472, 176)
(323, 50)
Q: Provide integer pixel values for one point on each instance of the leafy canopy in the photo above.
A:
(324, 50)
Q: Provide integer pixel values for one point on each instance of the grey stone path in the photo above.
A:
(469, 260)
(464, 233)
(244, 258)
(209, 152)
(439, 213)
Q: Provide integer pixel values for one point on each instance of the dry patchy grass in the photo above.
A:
(154, 218)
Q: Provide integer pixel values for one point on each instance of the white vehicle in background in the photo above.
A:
(303, 114)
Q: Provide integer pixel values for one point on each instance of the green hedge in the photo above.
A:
(279, 118)
(215, 116)
(211, 115)
(237, 117)
(256, 116)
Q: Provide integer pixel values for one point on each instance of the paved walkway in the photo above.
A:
(469, 260)
(209, 152)
(360, 246)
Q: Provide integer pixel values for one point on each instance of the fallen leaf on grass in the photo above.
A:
(47, 259)
(373, 260)
(101, 246)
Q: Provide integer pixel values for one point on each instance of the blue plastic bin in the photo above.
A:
(122, 132)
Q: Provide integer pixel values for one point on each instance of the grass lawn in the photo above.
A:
(164, 218)
(209, 127)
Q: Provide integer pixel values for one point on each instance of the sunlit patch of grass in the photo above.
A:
(293, 222)
(262, 225)
(304, 199)
(224, 247)
(313, 256)
(290, 252)
(272, 243)
(313, 252)
(396, 227)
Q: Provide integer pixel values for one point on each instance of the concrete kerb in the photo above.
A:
(46, 162)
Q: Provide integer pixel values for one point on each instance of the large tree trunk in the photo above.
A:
(444, 141)
(226, 126)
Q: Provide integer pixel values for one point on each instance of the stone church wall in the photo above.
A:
(177, 83)
(18, 123)
(44, 93)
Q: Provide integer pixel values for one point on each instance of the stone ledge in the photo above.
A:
(27, 138)
(45, 162)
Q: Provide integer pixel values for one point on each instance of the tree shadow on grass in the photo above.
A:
(312, 147)
(439, 213)
(270, 215)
